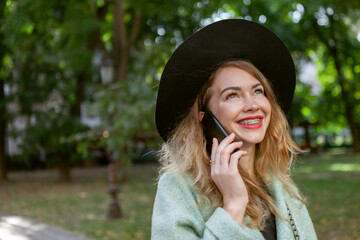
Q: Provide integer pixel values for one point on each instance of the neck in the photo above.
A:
(247, 162)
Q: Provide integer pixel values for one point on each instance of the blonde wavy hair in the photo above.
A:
(185, 152)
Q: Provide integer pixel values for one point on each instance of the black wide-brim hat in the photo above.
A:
(192, 63)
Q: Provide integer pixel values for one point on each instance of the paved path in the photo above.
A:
(18, 228)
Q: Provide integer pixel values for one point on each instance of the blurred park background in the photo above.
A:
(78, 82)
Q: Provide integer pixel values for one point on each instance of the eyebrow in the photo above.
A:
(238, 88)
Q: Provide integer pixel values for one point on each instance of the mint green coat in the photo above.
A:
(178, 214)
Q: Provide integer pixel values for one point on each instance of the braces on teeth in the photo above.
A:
(250, 122)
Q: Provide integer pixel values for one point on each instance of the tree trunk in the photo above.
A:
(120, 170)
(307, 136)
(122, 42)
(122, 67)
(3, 122)
(79, 95)
(355, 132)
(64, 169)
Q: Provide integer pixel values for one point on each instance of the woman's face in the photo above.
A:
(239, 103)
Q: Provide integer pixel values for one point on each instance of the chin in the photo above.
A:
(254, 140)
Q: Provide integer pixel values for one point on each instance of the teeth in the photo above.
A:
(250, 122)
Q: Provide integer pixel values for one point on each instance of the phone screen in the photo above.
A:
(212, 129)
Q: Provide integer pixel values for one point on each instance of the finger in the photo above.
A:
(234, 146)
(226, 152)
(214, 147)
(229, 139)
(222, 157)
(235, 158)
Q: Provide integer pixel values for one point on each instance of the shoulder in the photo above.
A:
(288, 189)
(177, 206)
(177, 185)
(174, 178)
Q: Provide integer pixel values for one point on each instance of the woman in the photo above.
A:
(244, 75)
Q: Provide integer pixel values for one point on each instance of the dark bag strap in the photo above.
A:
(293, 226)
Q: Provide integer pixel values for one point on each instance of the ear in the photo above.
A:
(201, 115)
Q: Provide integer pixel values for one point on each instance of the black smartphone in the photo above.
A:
(212, 129)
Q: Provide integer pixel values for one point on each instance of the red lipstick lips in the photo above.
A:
(252, 122)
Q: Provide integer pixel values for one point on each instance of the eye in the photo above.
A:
(259, 91)
(231, 95)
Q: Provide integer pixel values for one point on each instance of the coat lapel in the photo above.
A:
(283, 228)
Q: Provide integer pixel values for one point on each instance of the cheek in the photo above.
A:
(267, 109)
(215, 106)
(211, 103)
(225, 111)
(266, 106)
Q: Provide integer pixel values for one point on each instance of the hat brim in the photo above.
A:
(192, 63)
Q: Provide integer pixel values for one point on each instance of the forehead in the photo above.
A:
(233, 76)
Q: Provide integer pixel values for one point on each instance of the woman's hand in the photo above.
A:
(225, 174)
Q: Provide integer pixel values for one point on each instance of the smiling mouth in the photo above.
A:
(250, 121)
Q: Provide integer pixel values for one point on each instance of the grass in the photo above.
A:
(82, 205)
(331, 184)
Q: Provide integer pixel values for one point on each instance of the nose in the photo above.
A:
(250, 104)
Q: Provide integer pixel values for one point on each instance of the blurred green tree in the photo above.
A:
(3, 98)
(138, 37)
(49, 74)
(325, 33)
(328, 28)
(54, 47)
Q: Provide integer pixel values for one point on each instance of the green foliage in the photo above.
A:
(323, 32)
(56, 136)
(50, 44)
(131, 107)
(47, 53)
